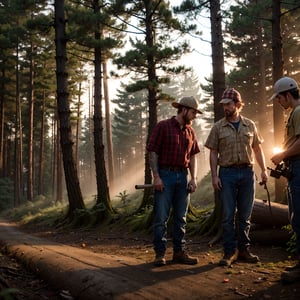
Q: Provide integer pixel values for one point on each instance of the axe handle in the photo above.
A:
(144, 186)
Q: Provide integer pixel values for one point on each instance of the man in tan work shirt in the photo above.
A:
(232, 142)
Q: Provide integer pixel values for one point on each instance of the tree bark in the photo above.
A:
(262, 80)
(152, 97)
(103, 198)
(77, 135)
(71, 178)
(267, 223)
(42, 147)
(18, 139)
(218, 74)
(218, 88)
(110, 151)
(2, 107)
(278, 120)
(270, 236)
(30, 130)
(276, 215)
(59, 172)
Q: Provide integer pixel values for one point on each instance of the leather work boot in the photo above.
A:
(228, 259)
(247, 256)
(181, 257)
(159, 260)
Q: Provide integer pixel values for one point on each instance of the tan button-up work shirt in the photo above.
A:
(234, 146)
(292, 130)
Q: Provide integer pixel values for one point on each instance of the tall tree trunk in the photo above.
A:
(262, 80)
(103, 198)
(110, 151)
(53, 156)
(30, 129)
(59, 174)
(71, 177)
(78, 129)
(213, 223)
(18, 131)
(152, 98)
(217, 56)
(7, 150)
(42, 146)
(90, 154)
(278, 120)
(2, 126)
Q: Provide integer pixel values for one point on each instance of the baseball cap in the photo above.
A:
(284, 84)
(189, 102)
(229, 95)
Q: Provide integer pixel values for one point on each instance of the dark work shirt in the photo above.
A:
(173, 145)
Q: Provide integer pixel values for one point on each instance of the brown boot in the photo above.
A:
(228, 259)
(159, 260)
(246, 256)
(181, 257)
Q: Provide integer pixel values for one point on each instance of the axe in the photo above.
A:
(148, 186)
(144, 186)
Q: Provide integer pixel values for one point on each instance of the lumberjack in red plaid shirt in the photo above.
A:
(172, 149)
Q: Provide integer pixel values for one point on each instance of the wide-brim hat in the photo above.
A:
(189, 102)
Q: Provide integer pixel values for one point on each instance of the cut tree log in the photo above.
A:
(270, 236)
(269, 217)
(267, 223)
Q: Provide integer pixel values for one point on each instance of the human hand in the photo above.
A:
(192, 185)
(158, 184)
(264, 176)
(216, 182)
(277, 158)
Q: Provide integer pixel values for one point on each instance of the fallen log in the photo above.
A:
(267, 223)
(269, 236)
(275, 216)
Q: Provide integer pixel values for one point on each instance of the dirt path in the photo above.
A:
(115, 265)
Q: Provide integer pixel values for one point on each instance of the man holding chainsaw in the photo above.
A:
(286, 92)
(172, 152)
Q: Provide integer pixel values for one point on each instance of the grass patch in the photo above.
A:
(41, 211)
(45, 212)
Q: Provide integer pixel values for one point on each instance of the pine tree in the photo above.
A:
(71, 176)
(152, 49)
(129, 128)
(249, 32)
(95, 33)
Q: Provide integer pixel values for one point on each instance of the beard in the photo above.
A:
(229, 114)
(186, 120)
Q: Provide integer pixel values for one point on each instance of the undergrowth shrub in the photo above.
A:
(6, 193)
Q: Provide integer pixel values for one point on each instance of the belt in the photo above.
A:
(173, 168)
(239, 166)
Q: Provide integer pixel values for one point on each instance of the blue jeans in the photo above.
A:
(237, 199)
(294, 200)
(175, 195)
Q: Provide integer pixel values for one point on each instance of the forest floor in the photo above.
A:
(242, 280)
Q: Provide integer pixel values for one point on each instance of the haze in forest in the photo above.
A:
(30, 153)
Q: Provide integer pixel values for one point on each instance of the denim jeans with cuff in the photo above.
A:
(237, 200)
(175, 196)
